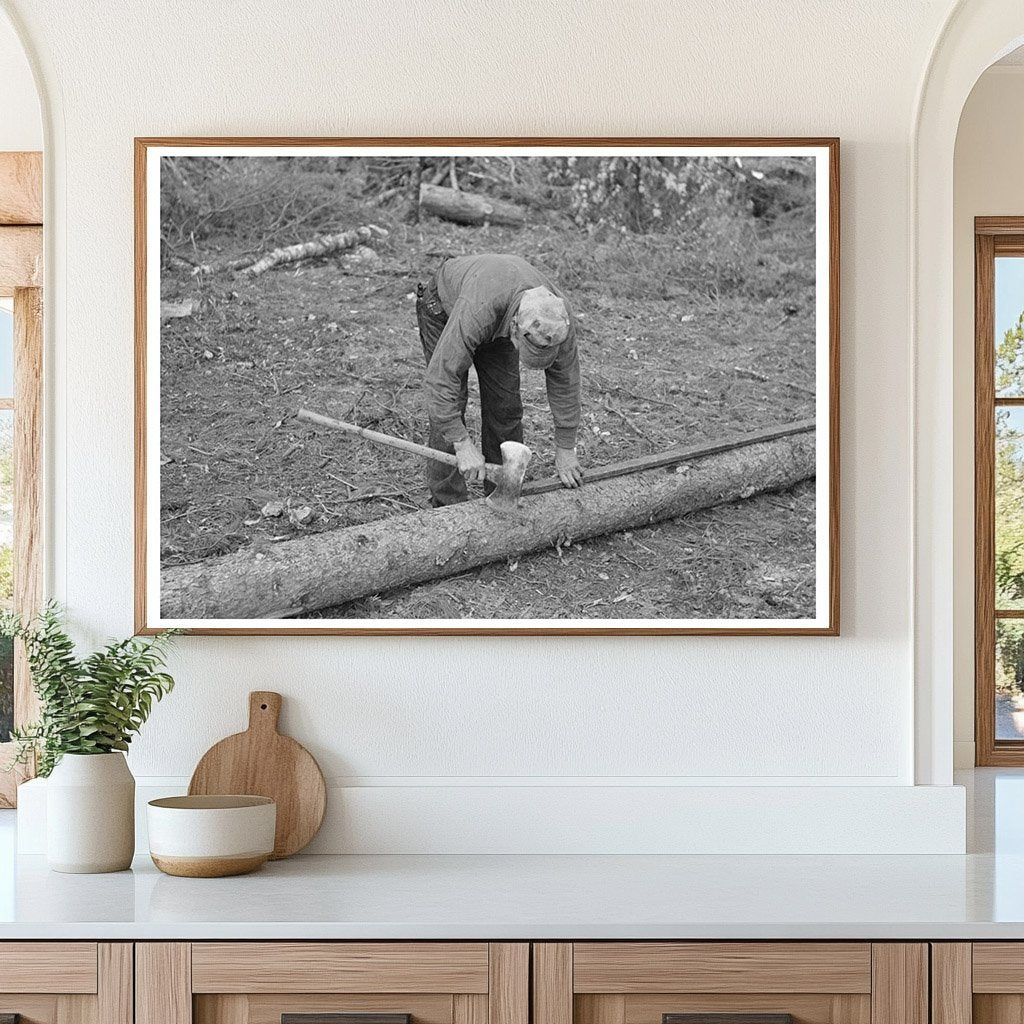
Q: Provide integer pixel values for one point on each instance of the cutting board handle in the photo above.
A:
(264, 710)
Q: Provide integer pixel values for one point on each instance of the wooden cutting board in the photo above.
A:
(262, 762)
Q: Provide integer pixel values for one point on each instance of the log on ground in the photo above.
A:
(329, 569)
(468, 207)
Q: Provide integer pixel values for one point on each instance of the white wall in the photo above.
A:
(446, 713)
(987, 181)
(21, 127)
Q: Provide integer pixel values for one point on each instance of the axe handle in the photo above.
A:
(387, 440)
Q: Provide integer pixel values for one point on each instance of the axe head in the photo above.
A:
(515, 457)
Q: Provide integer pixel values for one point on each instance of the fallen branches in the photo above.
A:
(468, 208)
(325, 245)
(329, 569)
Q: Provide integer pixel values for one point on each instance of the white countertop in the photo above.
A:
(977, 896)
(516, 897)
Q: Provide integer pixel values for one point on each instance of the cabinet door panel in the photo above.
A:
(803, 1007)
(66, 982)
(268, 1008)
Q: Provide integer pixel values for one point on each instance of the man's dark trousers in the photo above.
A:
(501, 406)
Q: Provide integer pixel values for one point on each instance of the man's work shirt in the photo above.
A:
(480, 295)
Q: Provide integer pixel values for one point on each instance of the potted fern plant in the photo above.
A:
(90, 708)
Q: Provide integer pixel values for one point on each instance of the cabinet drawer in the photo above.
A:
(58, 967)
(635, 967)
(730, 983)
(332, 983)
(340, 967)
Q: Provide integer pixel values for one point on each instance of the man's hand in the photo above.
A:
(471, 460)
(568, 467)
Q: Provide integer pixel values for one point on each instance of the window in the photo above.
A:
(21, 365)
(999, 490)
(6, 510)
(20, 504)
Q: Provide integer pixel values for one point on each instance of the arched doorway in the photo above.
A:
(977, 33)
(21, 145)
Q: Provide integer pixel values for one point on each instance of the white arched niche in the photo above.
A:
(976, 34)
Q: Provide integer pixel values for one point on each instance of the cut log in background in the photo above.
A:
(468, 208)
(329, 569)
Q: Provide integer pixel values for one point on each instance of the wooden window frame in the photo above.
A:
(993, 236)
(21, 278)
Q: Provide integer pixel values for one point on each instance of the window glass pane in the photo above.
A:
(1009, 538)
(6, 353)
(1009, 323)
(1009, 679)
(6, 567)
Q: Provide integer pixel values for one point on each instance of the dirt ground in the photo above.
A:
(666, 360)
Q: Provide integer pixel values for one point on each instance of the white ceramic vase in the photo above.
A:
(90, 814)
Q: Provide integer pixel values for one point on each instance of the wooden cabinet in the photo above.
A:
(751, 982)
(309, 982)
(66, 982)
(494, 983)
(978, 983)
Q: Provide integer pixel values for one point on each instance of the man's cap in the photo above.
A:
(543, 324)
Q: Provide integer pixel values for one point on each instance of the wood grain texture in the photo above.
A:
(552, 983)
(269, 1008)
(633, 967)
(899, 991)
(984, 502)
(65, 967)
(806, 1008)
(468, 1008)
(163, 983)
(31, 1009)
(139, 413)
(999, 226)
(115, 996)
(225, 1009)
(508, 993)
(144, 614)
(727, 1018)
(951, 982)
(599, 1009)
(21, 188)
(21, 259)
(304, 967)
(346, 1018)
(208, 867)
(262, 762)
(998, 1009)
(76, 1009)
(28, 483)
(998, 967)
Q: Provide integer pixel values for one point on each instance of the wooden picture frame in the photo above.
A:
(148, 153)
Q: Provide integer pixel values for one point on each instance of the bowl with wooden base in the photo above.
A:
(211, 836)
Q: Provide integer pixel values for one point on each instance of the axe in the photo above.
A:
(507, 478)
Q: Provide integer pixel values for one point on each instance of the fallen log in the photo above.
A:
(329, 569)
(468, 207)
(322, 246)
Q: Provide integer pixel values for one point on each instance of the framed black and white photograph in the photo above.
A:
(567, 386)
